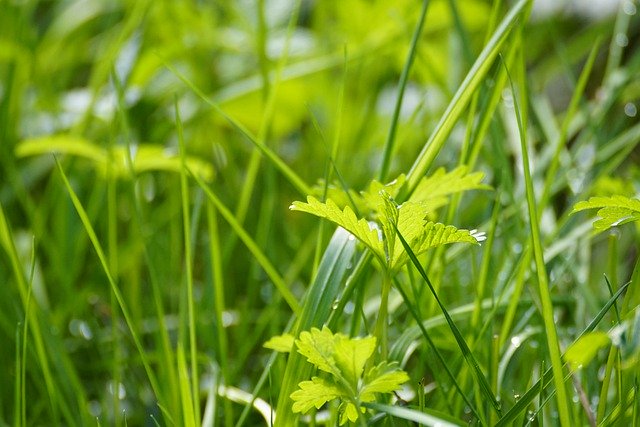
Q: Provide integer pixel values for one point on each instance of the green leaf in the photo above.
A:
(314, 393)
(348, 412)
(613, 211)
(432, 234)
(346, 219)
(384, 378)
(351, 356)
(581, 352)
(319, 346)
(282, 343)
(437, 187)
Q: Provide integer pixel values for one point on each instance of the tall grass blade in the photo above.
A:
(485, 388)
(255, 250)
(84, 218)
(404, 77)
(525, 400)
(318, 303)
(543, 284)
(460, 100)
(186, 229)
(441, 359)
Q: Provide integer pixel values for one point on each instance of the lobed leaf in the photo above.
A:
(433, 234)
(613, 211)
(346, 219)
(314, 393)
(383, 378)
(351, 356)
(442, 184)
(319, 346)
(281, 343)
(583, 350)
(348, 412)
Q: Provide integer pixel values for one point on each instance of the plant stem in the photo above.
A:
(382, 322)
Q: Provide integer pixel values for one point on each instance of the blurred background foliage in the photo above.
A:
(91, 80)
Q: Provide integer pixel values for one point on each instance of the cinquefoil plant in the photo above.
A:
(344, 359)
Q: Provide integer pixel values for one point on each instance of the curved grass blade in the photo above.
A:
(260, 257)
(460, 100)
(293, 178)
(464, 348)
(543, 281)
(333, 269)
(391, 137)
(526, 399)
(425, 334)
(427, 418)
(84, 218)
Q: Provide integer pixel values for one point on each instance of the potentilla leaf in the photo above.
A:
(282, 343)
(319, 346)
(581, 352)
(433, 234)
(348, 412)
(351, 354)
(442, 184)
(613, 211)
(383, 378)
(346, 219)
(314, 393)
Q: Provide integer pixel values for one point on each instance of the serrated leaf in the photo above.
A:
(348, 412)
(581, 352)
(314, 393)
(442, 184)
(613, 211)
(383, 378)
(319, 346)
(351, 354)
(433, 234)
(346, 219)
(282, 343)
(372, 195)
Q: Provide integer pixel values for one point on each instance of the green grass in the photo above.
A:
(149, 154)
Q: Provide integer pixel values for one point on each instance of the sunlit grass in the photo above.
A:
(149, 153)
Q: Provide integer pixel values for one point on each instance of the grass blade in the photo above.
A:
(255, 250)
(404, 77)
(427, 418)
(333, 269)
(84, 218)
(460, 100)
(464, 348)
(543, 284)
(524, 401)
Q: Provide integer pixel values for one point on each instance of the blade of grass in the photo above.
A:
(485, 388)
(318, 303)
(404, 77)
(215, 254)
(460, 100)
(189, 417)
(7, 242)
(427, 418)
(114, 287)
(186, 229)
(526, 399)
(543, 285)
(255, 250)
(441, 359)
(293, 178)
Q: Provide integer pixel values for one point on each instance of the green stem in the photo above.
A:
(382, 322)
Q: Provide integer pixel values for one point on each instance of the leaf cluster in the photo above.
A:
(411, 218)
(344, 359)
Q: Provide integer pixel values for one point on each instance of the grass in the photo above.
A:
(149, 153)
